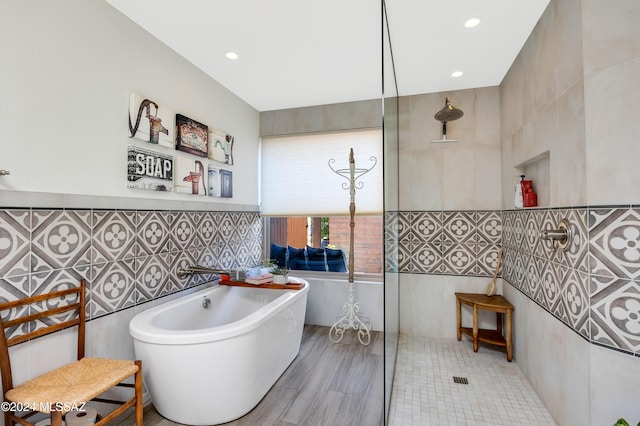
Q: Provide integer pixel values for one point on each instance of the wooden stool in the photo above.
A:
(497, 304)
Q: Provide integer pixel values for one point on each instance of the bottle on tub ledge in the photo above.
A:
(524, 195)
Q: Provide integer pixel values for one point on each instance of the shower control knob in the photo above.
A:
(561, 237)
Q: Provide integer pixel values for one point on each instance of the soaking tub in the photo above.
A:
(209, 365)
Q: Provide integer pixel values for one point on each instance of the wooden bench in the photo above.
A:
(497, 304)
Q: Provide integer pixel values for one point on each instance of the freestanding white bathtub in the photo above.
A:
(211, 365)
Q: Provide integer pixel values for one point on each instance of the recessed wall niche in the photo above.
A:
(537, 169)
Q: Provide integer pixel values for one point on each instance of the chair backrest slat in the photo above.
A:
(40, 315)
(39, 298)
(41, 332)
(78, 319)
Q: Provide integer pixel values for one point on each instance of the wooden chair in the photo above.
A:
(73, 384)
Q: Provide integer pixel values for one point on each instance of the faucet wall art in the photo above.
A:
(150, 121)
(189, 169)
(191, 176)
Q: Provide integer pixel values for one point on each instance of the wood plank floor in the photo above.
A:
(327, 384)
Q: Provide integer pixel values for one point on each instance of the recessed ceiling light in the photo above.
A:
(232, 55)
(472, 22)
(456, 74)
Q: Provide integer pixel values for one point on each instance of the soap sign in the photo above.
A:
(149, 170)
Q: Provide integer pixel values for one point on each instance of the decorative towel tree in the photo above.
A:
(351, 318)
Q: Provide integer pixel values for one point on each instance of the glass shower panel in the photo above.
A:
(390, 144)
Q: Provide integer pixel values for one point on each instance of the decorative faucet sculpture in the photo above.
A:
(351, 318)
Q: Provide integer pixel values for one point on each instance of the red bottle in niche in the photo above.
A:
(529, 198)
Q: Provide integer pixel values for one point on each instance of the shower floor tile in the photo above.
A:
(424, 391)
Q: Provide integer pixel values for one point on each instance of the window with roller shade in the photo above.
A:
(296, 179)
(299, 188)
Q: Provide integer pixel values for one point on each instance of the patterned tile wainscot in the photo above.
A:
(128, 257)
(593, 286)
(446, 242)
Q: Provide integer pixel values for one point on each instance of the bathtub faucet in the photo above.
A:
(197, 269)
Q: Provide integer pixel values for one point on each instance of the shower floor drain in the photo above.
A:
(461, 380)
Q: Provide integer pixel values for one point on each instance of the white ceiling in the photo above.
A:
(295, 53)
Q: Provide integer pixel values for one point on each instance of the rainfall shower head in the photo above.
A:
(448, 113)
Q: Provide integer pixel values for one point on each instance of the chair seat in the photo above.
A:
(72, 384)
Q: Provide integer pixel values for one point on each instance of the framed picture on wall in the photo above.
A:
(190, 176)
(226, 185)
(191, 136)
(149, 121)
(220, 182)
(221, 146)
(149, 170)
